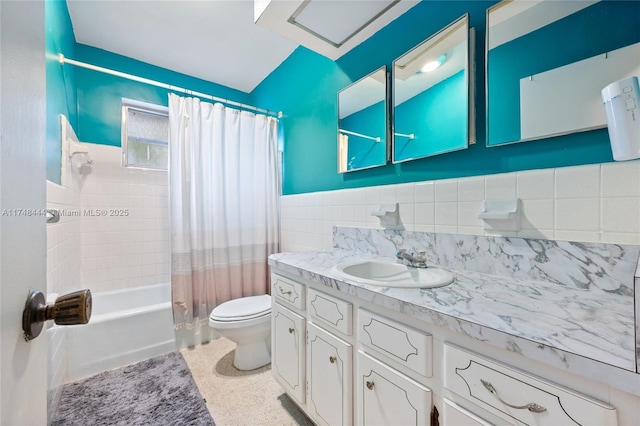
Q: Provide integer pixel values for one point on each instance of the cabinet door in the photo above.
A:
(386, 397)
(329, 370)
(288, 351)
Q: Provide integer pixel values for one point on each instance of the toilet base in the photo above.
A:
(253, 355)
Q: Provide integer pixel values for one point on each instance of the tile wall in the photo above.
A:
(63, 276)
(130, 246)
(596, 203)
(63, 263)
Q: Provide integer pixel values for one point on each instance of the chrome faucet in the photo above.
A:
(417, 261)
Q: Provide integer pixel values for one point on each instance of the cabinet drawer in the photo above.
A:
(327, 310)
(386, 397)
(511, 394)
(396, 341)
(288, 335)
(288, 291)
(455, 415)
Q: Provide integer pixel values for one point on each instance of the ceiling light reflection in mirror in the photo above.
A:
(573, 50)
(431, 95)
(362, 123)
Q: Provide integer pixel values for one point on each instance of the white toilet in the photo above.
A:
(247, 322)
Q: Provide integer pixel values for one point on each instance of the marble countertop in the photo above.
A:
(564, 327)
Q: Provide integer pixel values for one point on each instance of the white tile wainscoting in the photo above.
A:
(132, 247)
(595, 203)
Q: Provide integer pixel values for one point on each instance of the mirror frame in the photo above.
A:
(469, 80)
(387, 140)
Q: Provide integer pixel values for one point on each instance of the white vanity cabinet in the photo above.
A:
(288, 335)
(346, 361)
(386, 397)
(330, 372)
(310, 357)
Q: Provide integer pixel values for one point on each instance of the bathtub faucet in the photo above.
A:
(417, 261)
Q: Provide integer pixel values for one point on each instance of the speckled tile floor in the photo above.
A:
(237, 397)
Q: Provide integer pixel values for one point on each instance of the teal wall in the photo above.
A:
(60, 81)
(304, 87)
(437, 118)
(370, 121)
(590, 38)
(100, 95)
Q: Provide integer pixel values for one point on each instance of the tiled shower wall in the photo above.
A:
(63, 264)
(597, 203)
(63, 276)
(128, 247)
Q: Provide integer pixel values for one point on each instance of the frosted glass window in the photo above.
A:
(145, 136)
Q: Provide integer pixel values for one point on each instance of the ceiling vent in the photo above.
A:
(329, 27)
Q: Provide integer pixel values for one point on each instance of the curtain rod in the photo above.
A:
(150, 82)
(360, 135)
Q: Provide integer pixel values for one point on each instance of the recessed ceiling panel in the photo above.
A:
(329, 27)
(338, 21)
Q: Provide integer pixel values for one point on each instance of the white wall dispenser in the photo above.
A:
(501, 215)
(389, 215)
(623, 118)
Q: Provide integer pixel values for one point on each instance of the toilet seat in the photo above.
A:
(242, 309)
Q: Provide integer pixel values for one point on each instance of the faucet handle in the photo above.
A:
(421, 256)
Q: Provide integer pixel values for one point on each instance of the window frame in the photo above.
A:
(144, 107)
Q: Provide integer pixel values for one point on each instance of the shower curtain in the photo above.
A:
(223, 190)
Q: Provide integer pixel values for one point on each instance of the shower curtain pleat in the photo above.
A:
(224, 189)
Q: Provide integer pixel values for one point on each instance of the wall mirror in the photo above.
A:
(363, 123)
(431, 95)
(547, 62)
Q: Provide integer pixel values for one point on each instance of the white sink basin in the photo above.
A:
(388, 274)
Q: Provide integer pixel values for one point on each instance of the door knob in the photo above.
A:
(70, 309)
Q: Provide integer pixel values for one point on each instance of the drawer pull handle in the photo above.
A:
(284, 292)
(332, 359)
(532, 407)
(291, 330)
(370, 385)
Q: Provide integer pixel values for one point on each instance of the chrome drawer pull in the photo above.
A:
(532, 407)
(291, 330)
(370, 385)
(284, 292)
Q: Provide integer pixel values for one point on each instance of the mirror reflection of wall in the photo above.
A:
(547, 62)
(431, 95)
(362, 123)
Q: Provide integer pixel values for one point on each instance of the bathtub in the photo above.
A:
(126, 326)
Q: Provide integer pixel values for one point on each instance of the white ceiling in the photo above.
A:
(214, 40)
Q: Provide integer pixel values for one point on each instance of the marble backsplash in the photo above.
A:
(578, 265)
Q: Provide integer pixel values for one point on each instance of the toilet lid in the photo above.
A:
(243, 308)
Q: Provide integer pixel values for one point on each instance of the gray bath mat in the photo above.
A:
(158, 391)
